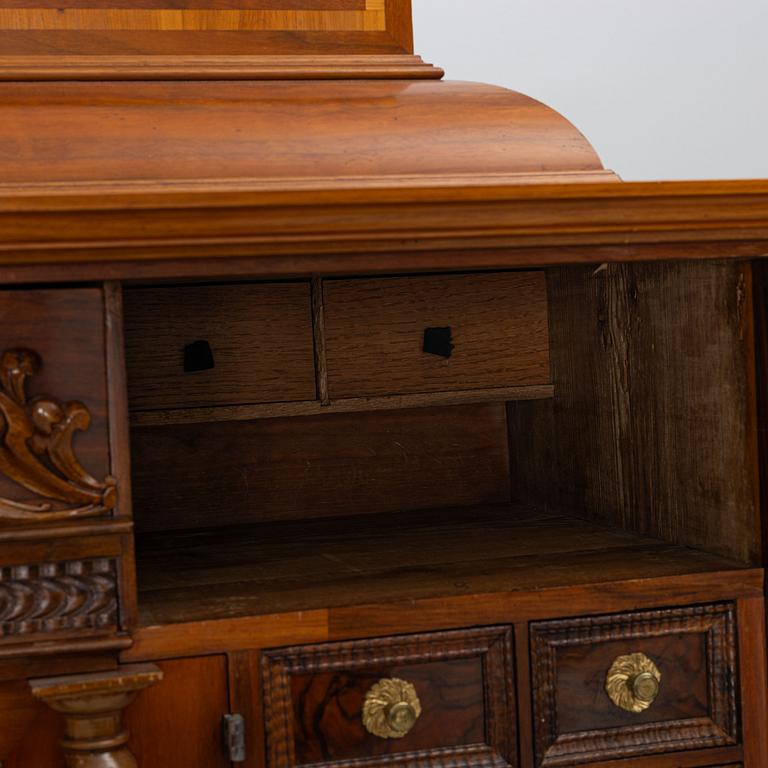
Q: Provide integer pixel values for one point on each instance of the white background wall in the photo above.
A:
(664, 89)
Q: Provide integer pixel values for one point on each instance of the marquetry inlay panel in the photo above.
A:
(232, 36)
(168, 15)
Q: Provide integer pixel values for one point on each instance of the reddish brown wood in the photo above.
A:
(38, 454)
(237, 136)
(374, 333)
(318, 326)
(69, 355)
(111, 40)
(260, 337)
(246, 699)
(236, 260)
(695, 651)
(282, 469)
(710, 758)
(545, 602)
(40, 600)
(178, 722)
(525, 729)
(92, 707)
(119, 447)
(140, 181)
(20, 713)
(464, 680)
(328, 710)
(60, 591)
(205, 637)
(754, 681)
(227, 634)
(721, 219)
(34, 734)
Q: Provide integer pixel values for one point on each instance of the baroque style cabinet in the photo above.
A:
(355, 418)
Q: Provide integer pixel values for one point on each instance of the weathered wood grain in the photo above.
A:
(260, 336)
(374, 333)
(653, 426)
(196, 475)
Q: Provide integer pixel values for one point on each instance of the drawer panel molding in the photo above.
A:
(691, 650)
(459, 687)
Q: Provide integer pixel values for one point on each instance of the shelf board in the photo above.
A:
(275, 568)
(247, 412)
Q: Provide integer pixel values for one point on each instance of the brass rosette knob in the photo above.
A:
(633, 682)
(391, 708)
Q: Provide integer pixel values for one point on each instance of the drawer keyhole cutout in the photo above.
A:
(198, 356)
(438, 341)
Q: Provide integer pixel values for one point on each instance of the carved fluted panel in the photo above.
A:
(52, 597)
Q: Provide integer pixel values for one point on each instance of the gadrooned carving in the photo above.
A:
(52, 597)
(36, 450)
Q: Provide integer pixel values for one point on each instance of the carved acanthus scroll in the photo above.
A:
(37, 452)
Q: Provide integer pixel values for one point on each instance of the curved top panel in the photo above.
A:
(282, 134)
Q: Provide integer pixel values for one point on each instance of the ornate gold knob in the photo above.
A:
(633, 682)
(391, 708)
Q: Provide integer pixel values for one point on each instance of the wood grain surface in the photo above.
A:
(178, 721)
(693, 648)
(260, 336)
(653, 426)
(29, 731)
(374, 333)
(198, 475)
(206, 29)
(65, 328)
(392, 559)
(465, 682)
(237, 134)
(328, 710)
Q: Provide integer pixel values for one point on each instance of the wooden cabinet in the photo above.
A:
(354, 418)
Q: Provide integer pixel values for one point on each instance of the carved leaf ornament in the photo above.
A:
(37, 453)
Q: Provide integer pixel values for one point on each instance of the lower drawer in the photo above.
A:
(634, 684)
(441, 699)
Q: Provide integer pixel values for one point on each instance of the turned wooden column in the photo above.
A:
(92, 707)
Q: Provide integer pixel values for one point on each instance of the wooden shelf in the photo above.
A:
(300, 566)
(169, 416)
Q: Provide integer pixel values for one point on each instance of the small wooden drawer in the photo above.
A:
(407, 335)
(351, 704)
(192, 346)
(634, 684)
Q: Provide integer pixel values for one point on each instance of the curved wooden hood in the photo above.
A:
(329, 134)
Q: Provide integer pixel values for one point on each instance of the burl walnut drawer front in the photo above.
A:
(409, 335)
(434, 700)
(634, 684)
(235, 344)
